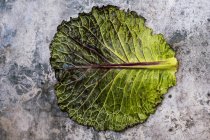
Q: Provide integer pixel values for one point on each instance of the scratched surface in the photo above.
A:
(28, 107)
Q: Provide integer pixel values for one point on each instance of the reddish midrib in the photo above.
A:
(115, 66)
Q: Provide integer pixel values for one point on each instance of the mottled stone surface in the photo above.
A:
(28, 108)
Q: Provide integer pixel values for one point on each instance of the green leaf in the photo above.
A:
(112, 71)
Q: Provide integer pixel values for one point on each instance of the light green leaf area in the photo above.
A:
(112, 71)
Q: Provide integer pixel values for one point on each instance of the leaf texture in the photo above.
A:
(112, 71)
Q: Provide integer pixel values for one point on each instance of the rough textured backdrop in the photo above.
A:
(28, 108)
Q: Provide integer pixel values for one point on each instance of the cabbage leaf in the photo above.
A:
(112, 71)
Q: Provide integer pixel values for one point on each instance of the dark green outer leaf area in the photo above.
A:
(112, 71)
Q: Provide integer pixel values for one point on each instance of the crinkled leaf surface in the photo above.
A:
(112, 71)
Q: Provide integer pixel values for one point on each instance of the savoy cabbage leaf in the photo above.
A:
(112, 71)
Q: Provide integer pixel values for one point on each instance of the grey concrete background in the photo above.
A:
(28, 109)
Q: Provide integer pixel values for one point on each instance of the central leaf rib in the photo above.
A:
(118, 66)
(167, 64)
